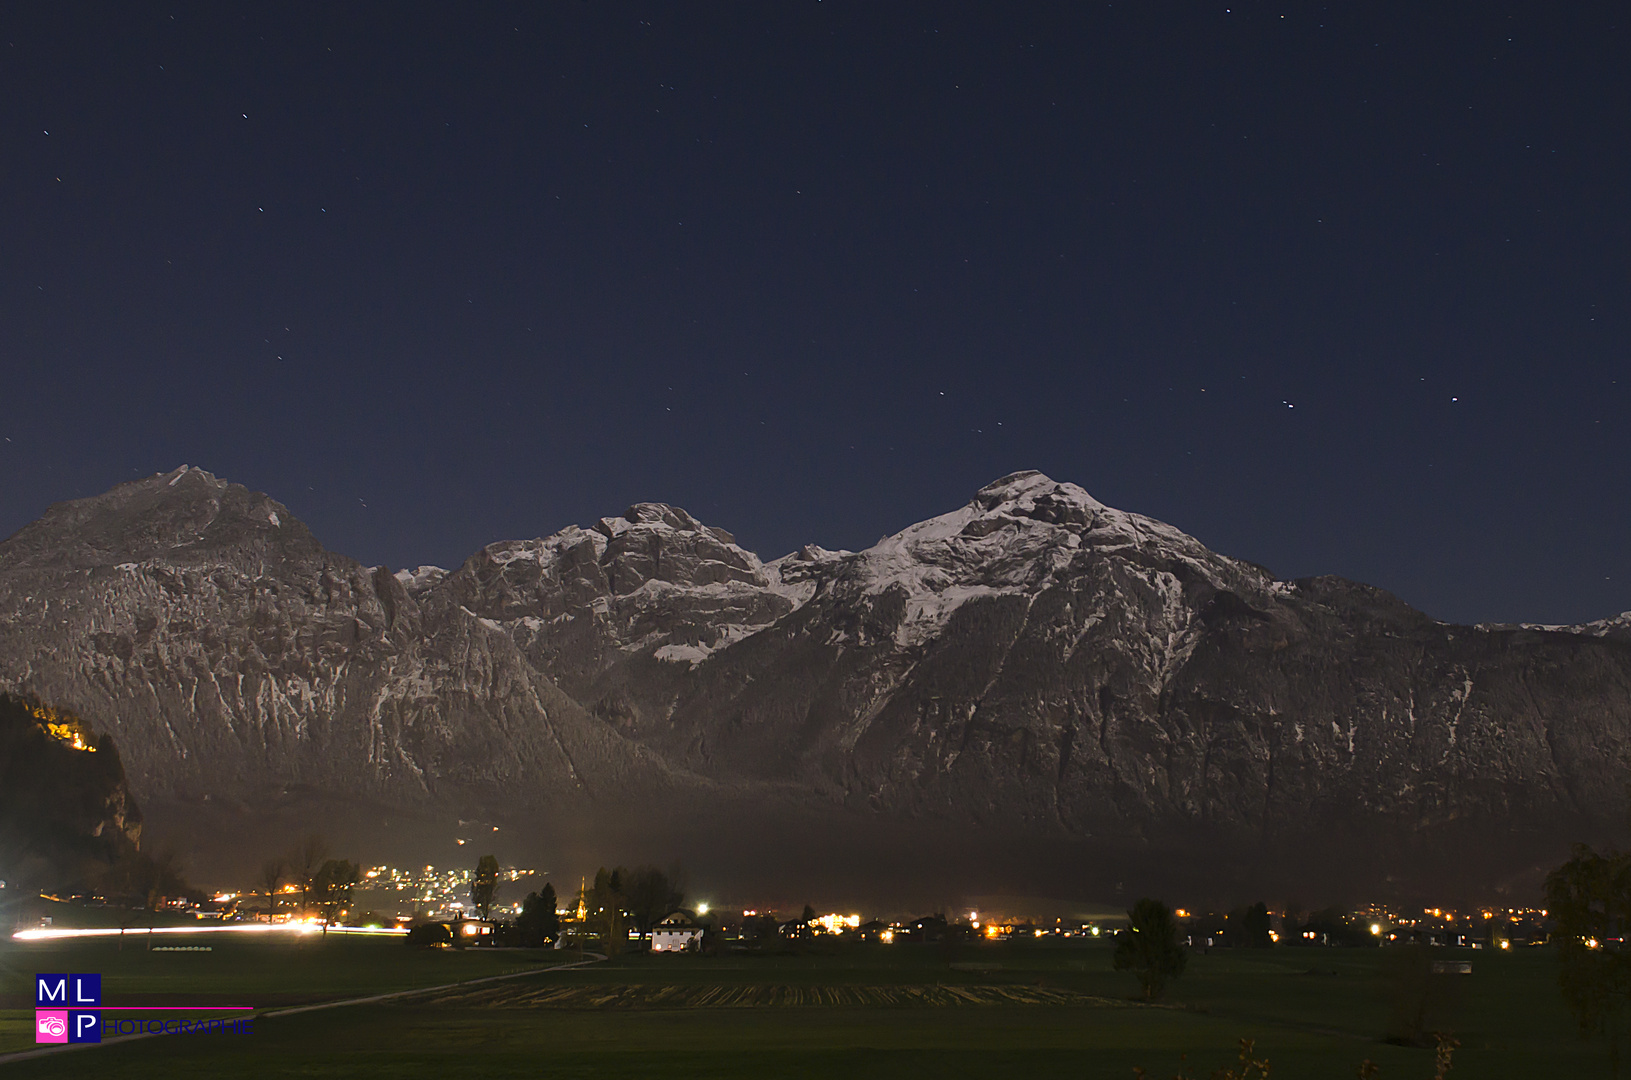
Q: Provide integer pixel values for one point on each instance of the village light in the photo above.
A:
(702, 909)
(1376, 929)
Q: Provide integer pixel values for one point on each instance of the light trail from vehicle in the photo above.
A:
(53, 933)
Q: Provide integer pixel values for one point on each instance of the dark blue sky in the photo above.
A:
(1337, 290)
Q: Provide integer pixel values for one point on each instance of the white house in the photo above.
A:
(676, 933)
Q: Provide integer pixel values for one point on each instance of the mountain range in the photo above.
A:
(1033, 691)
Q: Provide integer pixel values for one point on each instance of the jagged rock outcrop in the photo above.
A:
(620, 609)
(1034, 664)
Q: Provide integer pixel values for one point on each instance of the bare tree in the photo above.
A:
(304, 864)
(332, 884)
(272, 873)
(651, 895)
(484, 885)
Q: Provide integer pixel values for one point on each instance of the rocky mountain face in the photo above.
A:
(242, 660)
(1079, 682)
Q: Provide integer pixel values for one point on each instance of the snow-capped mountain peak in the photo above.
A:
(1034, 662)
(1015, 536)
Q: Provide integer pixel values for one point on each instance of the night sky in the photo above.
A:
(1335, 289)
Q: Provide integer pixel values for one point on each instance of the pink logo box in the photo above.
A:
(51, 1025)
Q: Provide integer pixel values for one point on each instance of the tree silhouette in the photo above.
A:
(538, 922)
(304, 863)
(651, 896)
(272, 871)
(1589, 898)
(606, 906)
(331, 885)
(1250, 926)
(484, 885)
(1149, 947)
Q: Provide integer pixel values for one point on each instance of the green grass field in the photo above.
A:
(857, 1012)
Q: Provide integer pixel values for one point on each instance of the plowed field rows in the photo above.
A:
(515, 996)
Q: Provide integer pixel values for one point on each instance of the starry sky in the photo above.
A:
(1336, 289)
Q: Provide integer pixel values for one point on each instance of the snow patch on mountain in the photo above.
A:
(1613, 625)
(422, 577)
(656, 581)
(1015, 536)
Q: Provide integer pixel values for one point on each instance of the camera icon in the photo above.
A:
(51, 1026)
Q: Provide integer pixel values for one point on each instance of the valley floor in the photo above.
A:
(1036, 1010)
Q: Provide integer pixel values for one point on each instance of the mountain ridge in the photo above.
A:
(1032, 663)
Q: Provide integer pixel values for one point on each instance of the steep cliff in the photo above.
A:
(1034, 666)
(237, 658)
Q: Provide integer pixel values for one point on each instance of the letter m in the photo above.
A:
(50, 990)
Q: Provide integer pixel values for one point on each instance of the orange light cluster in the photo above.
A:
(63, 726)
